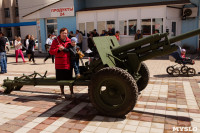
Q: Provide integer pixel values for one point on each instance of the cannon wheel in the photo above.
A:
(143, 81)
(113, 92)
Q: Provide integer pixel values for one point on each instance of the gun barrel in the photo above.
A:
(138, 43)
(184, 36)
(153, 39)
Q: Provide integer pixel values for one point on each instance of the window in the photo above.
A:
(7, 12)
(9, 32)
(52, 27)
(18, 31)
(16, 11)
(89, 26)
(123, 27)
(173, 29)
(82, 27)
(157, 24)
(149, 26)
(132, 26)
(111, 27)
(101, 26)
(146, 26)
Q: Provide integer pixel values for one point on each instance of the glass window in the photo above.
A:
(18, 31)
(101, 25)
(51, 21)
(52, 27)
(173, 29)
(89, 26)
(7, 12)
(16, 12)
(146, 26)
(123, 27)
(111, 27)
(82, 27)
(157, 24)
(132, 26)
(9, 32)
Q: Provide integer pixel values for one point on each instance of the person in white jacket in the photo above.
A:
(48, 46)
(18, 49)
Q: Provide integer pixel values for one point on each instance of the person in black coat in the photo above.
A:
(31, 48)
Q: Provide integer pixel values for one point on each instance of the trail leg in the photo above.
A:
(72, 91)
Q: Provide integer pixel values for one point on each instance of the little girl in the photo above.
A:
(18, 49)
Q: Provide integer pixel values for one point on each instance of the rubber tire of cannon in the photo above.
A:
(119, 95)
(144, 80)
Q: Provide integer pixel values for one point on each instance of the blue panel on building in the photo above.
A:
(43, 33)
(67, 22)
(79, 4)
(18, 24)
(189, 25)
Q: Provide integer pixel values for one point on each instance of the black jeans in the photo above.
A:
(49, 55)
(32, 56)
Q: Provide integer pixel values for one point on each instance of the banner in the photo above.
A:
(62, 12)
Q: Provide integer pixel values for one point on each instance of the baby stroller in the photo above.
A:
(181, 66)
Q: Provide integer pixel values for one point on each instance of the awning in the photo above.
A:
(19, 24)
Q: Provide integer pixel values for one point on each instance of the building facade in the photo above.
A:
(125, 16)
(9, 14)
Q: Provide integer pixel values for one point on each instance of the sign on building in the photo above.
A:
(62, 12)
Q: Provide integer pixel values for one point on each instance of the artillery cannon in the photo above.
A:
(115, 78)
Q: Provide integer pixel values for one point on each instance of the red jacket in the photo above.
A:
(62, 59)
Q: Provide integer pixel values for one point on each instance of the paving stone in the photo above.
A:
(165, 103)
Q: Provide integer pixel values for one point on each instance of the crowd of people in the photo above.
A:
(66, 50)
(28, 46)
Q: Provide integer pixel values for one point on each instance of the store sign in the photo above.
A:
(63, 11)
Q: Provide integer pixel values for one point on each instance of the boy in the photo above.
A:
(75, 54)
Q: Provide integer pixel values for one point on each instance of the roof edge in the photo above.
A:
(42, 8)
(137, 5)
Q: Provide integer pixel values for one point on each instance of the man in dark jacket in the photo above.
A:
(3, 61)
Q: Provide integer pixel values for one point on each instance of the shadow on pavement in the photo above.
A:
(182, 118)
(162, 75)
(87, 113)
(170, 76)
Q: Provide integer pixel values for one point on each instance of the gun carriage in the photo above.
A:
(116, 77)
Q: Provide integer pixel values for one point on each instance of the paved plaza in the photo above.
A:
(167, 104)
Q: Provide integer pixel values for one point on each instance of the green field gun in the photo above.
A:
(116, 76)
